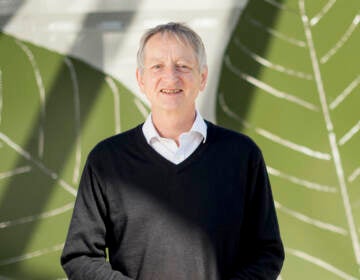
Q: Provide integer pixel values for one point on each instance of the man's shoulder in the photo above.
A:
(223, 135)
(233, 144)
(117, 142)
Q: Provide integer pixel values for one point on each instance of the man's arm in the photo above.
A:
(261, 254)
(84, 255)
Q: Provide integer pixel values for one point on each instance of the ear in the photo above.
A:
(139, 79)
(203, 77)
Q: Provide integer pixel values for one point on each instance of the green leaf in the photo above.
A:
(53, 110)
(290, 80)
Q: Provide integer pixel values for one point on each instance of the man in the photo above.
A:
(177, 197)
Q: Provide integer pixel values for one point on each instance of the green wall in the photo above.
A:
(289, 79)
(291, 82)
(53, 110)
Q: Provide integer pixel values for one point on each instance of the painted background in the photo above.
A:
(286, 73)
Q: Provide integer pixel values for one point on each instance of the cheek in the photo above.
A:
(153, 82)
(148, 82)
(196, 83)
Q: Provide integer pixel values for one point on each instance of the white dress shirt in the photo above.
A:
(188, 141)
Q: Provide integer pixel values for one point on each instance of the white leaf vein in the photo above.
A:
(347, 91)
(52, 174)
(325, 58)
(275, 33)
(314, 222)
(354, 175)
(350, 134)
(142, 109)
(319, 262)
(76, 94)
(32, 255)
(44, 215)
(267, 88)
(269, 64)
(301, 182)
(41, 87)
(116, 97)
(271, 136)
(315, 20)
(16, 171)
(282, 6)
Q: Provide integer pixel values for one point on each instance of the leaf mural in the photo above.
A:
(290, 79)
(53, 110)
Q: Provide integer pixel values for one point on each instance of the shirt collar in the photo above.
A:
(150, 131)
(200, 126)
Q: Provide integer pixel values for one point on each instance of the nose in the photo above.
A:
(170, 73)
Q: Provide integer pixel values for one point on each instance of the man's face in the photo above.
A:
(171, 78)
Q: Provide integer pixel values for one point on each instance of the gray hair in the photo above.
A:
(181, 32)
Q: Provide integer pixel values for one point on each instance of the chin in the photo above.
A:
(171, 108)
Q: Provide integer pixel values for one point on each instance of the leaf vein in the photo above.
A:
(276, 33)
(32, 255)
(271, 65)
(350, 134)
(354, 175)
(41, 87)
(319, 262)
(41, 216)
(301, 182)
(116, 97)
(282, 6)
(272, 137)
(347, 91)
(269, 89)
(311, 221)
(325, 58)
(75, 85)
(16, 171)
(142, 109)
(39, 164)
(315, 20)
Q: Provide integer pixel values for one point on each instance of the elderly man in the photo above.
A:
(176, 197)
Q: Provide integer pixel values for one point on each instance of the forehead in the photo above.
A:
(163, 44)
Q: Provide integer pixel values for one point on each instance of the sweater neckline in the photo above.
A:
(160, 160)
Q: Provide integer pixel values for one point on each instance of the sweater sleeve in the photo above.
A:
(84, 255)
(261, 253)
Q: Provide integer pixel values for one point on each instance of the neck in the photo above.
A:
(173, 125)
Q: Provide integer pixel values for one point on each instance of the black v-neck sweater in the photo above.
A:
(211, 217)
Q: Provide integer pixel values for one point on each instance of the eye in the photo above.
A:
(156, 67)
(183, 67)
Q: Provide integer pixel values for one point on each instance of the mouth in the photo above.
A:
(171, 91)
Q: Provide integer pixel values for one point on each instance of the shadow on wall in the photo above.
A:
(8, 9)
(50, 138)
(233, 90)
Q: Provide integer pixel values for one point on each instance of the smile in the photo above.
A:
(170, 91)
